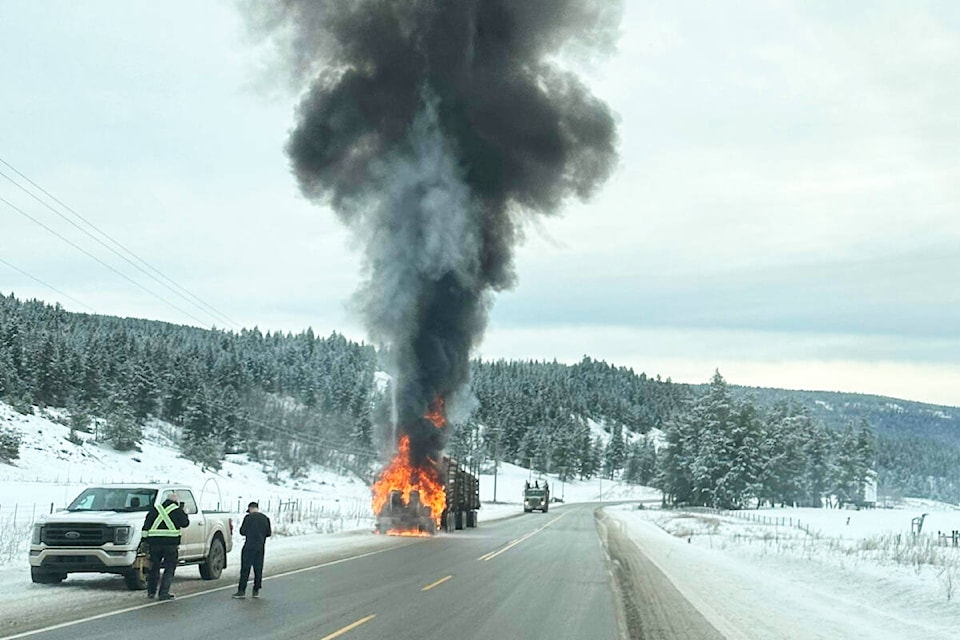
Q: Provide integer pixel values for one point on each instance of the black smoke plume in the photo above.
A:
(431, 127)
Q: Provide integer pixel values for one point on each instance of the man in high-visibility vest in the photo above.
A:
(161, 531)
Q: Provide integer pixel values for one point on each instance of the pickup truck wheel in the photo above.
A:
(135, 579)
(216, 560)
(41, 576)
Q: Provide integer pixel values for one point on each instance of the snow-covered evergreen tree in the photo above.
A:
(10, 440)
(120, 427)
(614, 454)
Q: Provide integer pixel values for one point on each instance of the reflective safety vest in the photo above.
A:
(163, 517)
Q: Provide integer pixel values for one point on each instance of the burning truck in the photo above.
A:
(419, 500)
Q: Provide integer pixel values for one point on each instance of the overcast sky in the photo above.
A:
(785, 208)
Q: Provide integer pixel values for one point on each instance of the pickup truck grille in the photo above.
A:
(76, 535)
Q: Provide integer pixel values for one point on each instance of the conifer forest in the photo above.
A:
(293, 400)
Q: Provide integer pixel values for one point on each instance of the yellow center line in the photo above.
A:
(510, 545)
(337, 634)
(433, 584)
(493, 554)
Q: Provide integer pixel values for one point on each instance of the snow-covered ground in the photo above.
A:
(856, 575)
(760, 574)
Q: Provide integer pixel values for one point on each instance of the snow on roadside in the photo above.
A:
(761, 581)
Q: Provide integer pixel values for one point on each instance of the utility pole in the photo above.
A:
(496, 460)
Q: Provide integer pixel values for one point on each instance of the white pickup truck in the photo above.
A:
(100, 533)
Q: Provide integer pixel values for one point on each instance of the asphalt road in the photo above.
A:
(523, 578)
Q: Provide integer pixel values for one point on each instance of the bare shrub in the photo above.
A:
(14, 541)
(948, 580)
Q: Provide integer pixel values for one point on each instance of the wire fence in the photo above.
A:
(776, 521)
(281, 511)
(750, 516)
(23, 514)
(286, 510)
(291, 517)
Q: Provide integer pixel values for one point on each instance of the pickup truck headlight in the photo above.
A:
(121, 535)
(37, 537)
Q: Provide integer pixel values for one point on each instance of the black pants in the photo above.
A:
(251, 557)
(165, 556)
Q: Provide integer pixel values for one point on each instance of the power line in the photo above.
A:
(313, 440)
(93, 257)
(183, 291)
(49, 286)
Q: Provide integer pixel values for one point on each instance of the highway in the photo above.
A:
(527, 577)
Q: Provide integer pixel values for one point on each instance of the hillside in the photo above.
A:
(889, 417)
(291, 401)
(918, 444)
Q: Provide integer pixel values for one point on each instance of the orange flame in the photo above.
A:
(408, 533)
(401, 475)
(435, 413)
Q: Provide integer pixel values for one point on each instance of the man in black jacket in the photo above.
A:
(161, 532)
(256, 528)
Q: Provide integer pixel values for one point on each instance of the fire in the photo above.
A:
(435, 413)
(402, 476)
(409, 533)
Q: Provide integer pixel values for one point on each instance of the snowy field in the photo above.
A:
(855, 575)
(791, 574)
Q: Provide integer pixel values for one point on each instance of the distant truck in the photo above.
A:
(536, 496)
(99, 532)
(462, 489)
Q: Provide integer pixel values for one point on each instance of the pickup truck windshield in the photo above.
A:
(113, 499)
(534, 493)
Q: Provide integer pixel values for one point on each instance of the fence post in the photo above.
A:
(51, 507)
